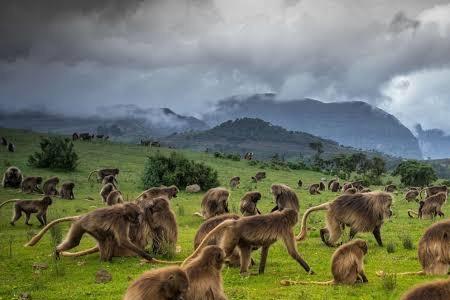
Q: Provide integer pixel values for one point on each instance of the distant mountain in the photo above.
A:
(435, 144)
(255, 135)
(355, 124)
(126, 123)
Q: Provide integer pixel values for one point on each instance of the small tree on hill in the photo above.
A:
(415, 173)
(56, 153)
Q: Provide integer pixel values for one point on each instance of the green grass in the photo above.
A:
(75, 278)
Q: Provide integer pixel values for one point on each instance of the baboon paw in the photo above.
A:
(311, 272)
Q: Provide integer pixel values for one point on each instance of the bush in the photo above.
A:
(446, 183)
(407, 243)
(415, 173)
(178, 170)
(56, 153)
(390, 248)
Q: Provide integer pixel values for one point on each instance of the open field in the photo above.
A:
(74, 278)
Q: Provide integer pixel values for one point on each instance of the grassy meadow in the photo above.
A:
(74, 278)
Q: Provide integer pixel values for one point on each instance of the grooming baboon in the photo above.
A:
(435, 290)
(108, 225)
(431, 207)
(347, 265)
(412, 195)
(235, 181)
(433, 190)
(12, 178)
(361, 212)
(102, 173)
(215, 202)
(31, 184)
(284, 197)
(365, 190)
(114, 197)
(390, 188)
(314, 189)
(75, 136)
(28, 207)
(347, 186)
(260, 176)
(248, 204)
(299, 183)
(350, 191)
(335, 187)
(168, 283)
(4, 142)
(204, 273)
(168, 192)
(358, 185)
(49, 186)
(110, 179)
(321, 186)
(11, 147)
(106, 190)
(66, 191)
(257, 231)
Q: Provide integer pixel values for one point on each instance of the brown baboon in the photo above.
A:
(260, 176)
(4, 141)
(215, 202)
(31, 184)
(330, 183)
(110, 179)
(260, 231)
(248, 204)
(335, 187)
(431, 207)
(412, 195)
(49, 186)
(106, 190)
(284, 197)
(75, 136)
(204, 273)
(361, 212)
(167, 192)
(102, 173)
(365, 190)
(114, 197)
(347, 186)
(108, 225)
(28, 207)
(11, 147)
(358, 185)
(235, 181)
(390, 188)
(347, 265)
(436, 290)
(248, 156)
(433, 190)
(300, 183)
(163, 284)
(314, 189)
(12, 178)
(350, 191)
(321, 186)
(66, 191)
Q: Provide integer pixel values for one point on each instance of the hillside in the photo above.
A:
(355, 124)
(435, 144)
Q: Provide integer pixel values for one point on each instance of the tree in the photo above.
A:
(415, 173)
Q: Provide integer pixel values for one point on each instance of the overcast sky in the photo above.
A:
(73, 56)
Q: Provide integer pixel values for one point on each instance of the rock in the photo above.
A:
(102, 276)
(194, 188)
(40, 266)
(25, 296)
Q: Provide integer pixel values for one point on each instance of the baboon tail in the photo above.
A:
(382, 273)
(293, 282)
(38, 236)
(140, 195)
(8, 201)
(90, 174)
(80, 253)
(154, 260)
(412, 214)
(198, 214)
(420, 193)
(221, 226)
(303, 231)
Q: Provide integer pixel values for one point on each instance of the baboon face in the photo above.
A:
(363, 246)
(256, 197)
(276, 189)
(173, 191)
(215, 254)
(132, 213)
(47, 200)
(176, 286)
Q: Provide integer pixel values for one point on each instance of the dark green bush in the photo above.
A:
(415, 173)
(178, 170)
(56, 153)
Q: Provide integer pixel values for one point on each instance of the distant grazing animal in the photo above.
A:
(335, 186)
(12, 178)
(155, 144)
(248, 204)
(248, 156)
(412, 195)
(146, 142)
(321, 186)
(28, 207)
(215, 202)
(259, 176)
(235, 181)
(31, 184)
(314, 189)
(431, 207)
(300, 183)
(433, 190)
(75, 136)
(390, 188)
(4, 141)
(66, 191)
(99, 136)
(86, 136)
(11, 147)
(436, 290)
(102, 173)
(49, 186)
(284, 197)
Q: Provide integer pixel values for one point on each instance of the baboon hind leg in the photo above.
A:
(334, 231)
(289, 241)
(72, 240)
(17, 215)
(245, 258)
(27, 219)
(262, 263)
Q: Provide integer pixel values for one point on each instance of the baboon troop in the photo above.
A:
(284, 197)
(215, 202)
(167, 192)
(102, 173)
(314, 189)
(114, 197)
(361, 212)
(436, 290)
(31, 184)
(431, 207)
(49, 186)
(28, 207)
(433, 190)
(66, 191)
(12, 178)
(235, 181)
(249, 202)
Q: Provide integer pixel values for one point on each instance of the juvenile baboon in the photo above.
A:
(260, 176)
(49, 186)
(436, 290)
(11, 147)
(12, 178)
(102, 173)
(365, 190)
(4, 141)
(390, 188)
(347, 265)
(314, 189)
(165, 284)
(284, 197)
(167, 192)
(350, 191)
(361, 212)
(204, 273)
(108, 225)
(321, 186)
(335, 187)
(412, 195)
(215, 202)
(31, 184)
(235, 181)
(114, 197)
(431, 207)
(110, 179)
(433, 190)
(66, 191)
(106, 190)
(248, 204)
(260, 231)
(300, 183)
(28, 207)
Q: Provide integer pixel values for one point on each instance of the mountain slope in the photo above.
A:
(355, 124)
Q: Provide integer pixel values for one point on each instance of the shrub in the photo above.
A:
(407, 243)
(56, 153)
(389, 282)
(178, 170)
(415, 173)
(390, 248)
(446, 183)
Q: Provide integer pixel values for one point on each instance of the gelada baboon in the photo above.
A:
(66, 191)
(321, 186)
(330, 183)
(431, 207)
(28, 207)
(165, 284)
(214, 203)
(260, 176)
(346, 186)
(105, 224)
(350, 191)
(433, 190)
(436, 290)
(314, 189)
(102, 173)
(347, 265)
(357, 185)
(335, 187)
(168, 192)
(49, 186)
(412, 195)
(390, 188)
(284, 197)
(75, 136)
(361, 212)
(11, 147)
(110, 179)
(300, 183)
(249, 202)
(106, 190)
(204, 273)
(31, 184)
(12, 178)
(114, 197)
(257, 231)
(235, 181)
